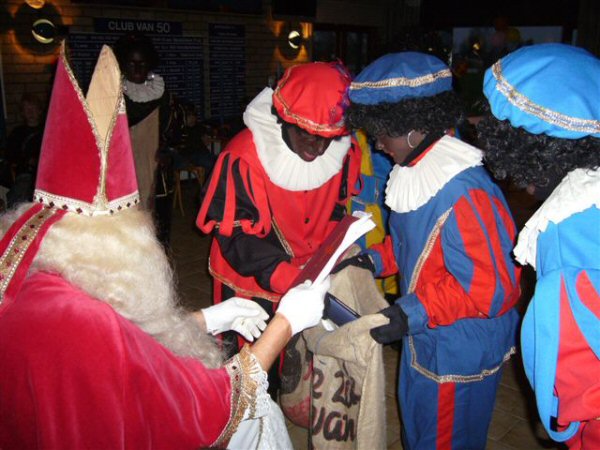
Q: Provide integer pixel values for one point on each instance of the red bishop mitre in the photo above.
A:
(86, 162)
(86, 165)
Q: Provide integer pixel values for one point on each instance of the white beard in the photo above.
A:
(117, 259)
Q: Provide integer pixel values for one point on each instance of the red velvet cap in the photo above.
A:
(86, 161)
(314, 97)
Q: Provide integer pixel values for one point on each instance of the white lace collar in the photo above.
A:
(151, 89)
(284, 167)
(578, 191)
(409, 188)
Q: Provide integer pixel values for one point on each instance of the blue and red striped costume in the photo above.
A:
(560, 335)
(458, 285)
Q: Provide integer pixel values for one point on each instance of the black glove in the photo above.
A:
(393, 331)
(361, 260)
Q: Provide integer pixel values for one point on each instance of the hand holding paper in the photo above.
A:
(303, 305)
(347, 231)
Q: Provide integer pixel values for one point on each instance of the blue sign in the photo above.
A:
(123, 26)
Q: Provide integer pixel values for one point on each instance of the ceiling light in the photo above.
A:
(36, 4)
(294, 39)
(43, 31)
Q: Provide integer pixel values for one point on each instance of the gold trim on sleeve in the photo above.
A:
(241, 291)
(284, 243)
(427, 249)
(244, 387)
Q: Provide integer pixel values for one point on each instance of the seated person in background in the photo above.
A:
(193, 150)
(93, 350)
(23, 150)
(543, 126)
(280, 186)
(451, 235)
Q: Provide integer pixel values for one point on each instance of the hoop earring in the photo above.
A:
(410, 144)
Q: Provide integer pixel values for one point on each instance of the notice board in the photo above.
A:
(181, 57)
(227, 69)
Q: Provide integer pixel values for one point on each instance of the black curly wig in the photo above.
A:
(536, 159)
(427, 114)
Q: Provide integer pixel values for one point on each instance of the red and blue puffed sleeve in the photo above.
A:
(382, 255)
(560, 336)
(469, 271)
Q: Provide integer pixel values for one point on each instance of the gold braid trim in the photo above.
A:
(88, 209)
(284, 243)
(14, 253)
(244, 389)
(401, 81)
(100, 204)
(451, 378)
(306, 123)
(427, 250)
(545, 114)
(241, 291)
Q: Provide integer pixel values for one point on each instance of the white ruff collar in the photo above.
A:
(284, 167)
(145, 92)
(409, 188)
(578, 191)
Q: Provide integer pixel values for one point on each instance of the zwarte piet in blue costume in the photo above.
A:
(542, 131)
(451, 235)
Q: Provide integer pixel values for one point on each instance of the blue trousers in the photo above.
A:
(451, 415)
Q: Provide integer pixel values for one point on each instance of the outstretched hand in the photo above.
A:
(303, 305)
(238, 314)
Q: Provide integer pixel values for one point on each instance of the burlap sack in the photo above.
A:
(344, 388)
(296, 378)
(348, 389)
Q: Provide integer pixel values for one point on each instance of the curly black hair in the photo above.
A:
(536, 159)
(427, 114)
(136, 42)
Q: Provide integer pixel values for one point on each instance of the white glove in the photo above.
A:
(237, 314)
(303, 305)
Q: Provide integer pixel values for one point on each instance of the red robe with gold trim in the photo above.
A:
(76, 374)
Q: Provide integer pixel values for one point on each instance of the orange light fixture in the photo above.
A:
(36, 4)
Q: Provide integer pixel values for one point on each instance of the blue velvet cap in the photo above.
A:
(552, 89)
(400, 76)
